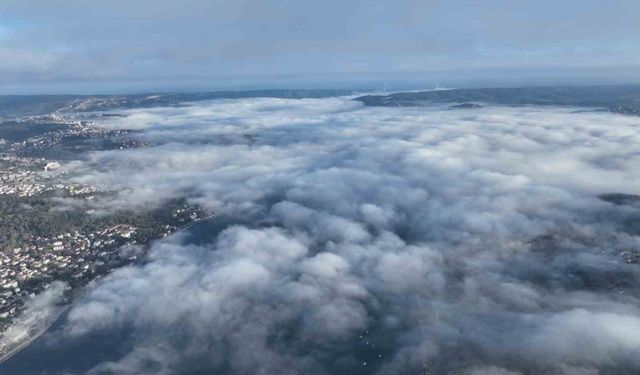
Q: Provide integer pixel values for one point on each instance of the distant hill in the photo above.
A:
(12, 106)
(620, 99)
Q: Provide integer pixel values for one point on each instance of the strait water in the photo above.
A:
(52, 354)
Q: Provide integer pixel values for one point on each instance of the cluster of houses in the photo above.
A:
(24, 177)
(73, 255)
(76, 129)
(18, 175)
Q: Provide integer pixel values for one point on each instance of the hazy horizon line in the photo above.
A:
(395, 81)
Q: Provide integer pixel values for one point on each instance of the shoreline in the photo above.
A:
(34, 336)
(197, 221)
(58, 314)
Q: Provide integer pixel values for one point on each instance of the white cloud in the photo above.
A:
(473, 241)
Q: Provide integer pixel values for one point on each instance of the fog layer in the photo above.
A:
(376, 241)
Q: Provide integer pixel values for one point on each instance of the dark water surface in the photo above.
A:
(52, 354)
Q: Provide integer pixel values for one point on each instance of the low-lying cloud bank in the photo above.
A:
(377, 241)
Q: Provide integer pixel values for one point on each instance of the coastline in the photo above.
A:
(54, 317)
(18, 346)
(197, 221)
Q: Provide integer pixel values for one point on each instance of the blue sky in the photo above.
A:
(137, 44)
